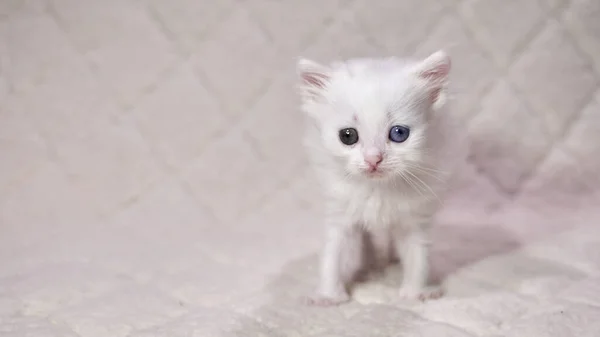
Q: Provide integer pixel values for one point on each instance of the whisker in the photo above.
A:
(410, 182)
(425, 185)
(431, 174)
(424, 168)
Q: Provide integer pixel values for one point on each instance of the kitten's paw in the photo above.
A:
(421, 294)
(326, 301)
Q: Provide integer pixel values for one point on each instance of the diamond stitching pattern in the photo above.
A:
(151, 162)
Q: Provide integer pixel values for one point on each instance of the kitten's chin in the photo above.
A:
(364, 174)
(378, 175)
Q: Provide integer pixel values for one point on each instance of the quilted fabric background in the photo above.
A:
(152, 181)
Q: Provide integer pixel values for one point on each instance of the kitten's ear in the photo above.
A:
(435, 70)
(314, 79)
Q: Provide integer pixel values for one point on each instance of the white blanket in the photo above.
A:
(152, 181)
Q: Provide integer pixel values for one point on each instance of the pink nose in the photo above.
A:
(373, 159)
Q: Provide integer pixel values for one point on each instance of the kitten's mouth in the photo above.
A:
(374, 173)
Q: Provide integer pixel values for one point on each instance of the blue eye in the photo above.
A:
(399, 134)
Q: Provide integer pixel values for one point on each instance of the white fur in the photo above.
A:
(372, 95)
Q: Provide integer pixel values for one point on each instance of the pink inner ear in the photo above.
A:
(439, 72)
(314, 79)
(434, 95)
(436, 76)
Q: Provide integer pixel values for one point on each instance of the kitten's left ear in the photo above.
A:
(314, 79)
(435, 70)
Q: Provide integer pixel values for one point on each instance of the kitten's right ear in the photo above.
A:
(314, 79)
(435, 70)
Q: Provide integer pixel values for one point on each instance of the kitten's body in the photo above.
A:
(394, 199)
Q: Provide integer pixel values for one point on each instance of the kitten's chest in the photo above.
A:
(377, 207)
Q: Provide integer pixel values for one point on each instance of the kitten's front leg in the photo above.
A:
(414, 252)
(340, 261)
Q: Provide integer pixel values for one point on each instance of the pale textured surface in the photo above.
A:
(152, 181)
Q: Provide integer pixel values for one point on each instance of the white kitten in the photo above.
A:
(383, 146)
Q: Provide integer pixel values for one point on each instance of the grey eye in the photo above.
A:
(348, 136)
(399, 133)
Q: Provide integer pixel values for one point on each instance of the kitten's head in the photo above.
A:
(372, 114)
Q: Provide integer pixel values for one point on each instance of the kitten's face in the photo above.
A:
(372, 114)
